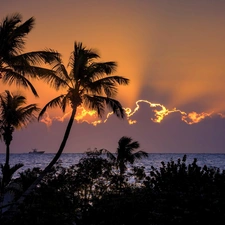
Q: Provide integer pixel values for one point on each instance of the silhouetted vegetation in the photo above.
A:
(126, 153)
(98, 190)
(16, 66)
(14, 114)
(87, 193)
(89, 83)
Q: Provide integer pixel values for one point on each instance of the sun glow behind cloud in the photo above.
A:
(160, 112)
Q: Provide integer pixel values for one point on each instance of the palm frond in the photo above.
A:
(54, 79)
(60, 69)
(2, 104)
(97, 70)
(84, 52)
(11, 20)
(103, 86)
(65, 102)
(56, 102)
(24, 28)
(13, 113)
(14, 64)
(119, 80)
(80, 59)
(21, 31)
(116, 107)
(94, 103)
(11, 77)
(98, 104)
(13, 33)
(29, 71)
(26, 115)
(47, 56)
(11, 101)
(61, 76)
(133, 145)
(141, 154)
(106, 84)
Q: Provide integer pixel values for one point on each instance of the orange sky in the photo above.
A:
(175, 47)
(173, 51)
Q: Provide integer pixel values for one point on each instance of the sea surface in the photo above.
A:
(154, 159)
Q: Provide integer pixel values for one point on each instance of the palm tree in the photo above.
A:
(89, 83)
(126, 153)
(15, 66)
(13, 115)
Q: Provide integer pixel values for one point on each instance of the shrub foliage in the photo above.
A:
(92, 192)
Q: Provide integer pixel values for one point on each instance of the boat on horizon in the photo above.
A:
(35, 151)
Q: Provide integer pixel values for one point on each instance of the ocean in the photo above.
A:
(154, 159)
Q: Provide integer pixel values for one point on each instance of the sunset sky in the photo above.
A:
(173, 52)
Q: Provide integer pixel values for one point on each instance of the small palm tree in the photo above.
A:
(13, 115)
(15, 66)
(126, 153)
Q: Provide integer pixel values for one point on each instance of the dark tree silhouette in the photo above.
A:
(17, 67)
(89, 83)
(125, 153)
(13, 115)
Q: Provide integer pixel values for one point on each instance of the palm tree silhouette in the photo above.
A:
(90, 84)
(18, 67)
(125, 153)
(13, 115)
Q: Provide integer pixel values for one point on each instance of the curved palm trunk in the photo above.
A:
(14, 210)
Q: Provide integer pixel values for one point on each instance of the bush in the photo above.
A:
(88, 193)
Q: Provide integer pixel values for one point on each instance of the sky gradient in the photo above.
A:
(172, 51)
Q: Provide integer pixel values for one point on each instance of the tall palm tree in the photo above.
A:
(89, 83)
(126, 153)
(18, 67)
(13, 115)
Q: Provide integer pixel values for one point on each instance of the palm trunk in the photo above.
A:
(14, 210)
(5, 171)
(7, 155)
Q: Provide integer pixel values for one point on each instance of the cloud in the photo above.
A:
(194, 117)
(46, 119)
(201, 133)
